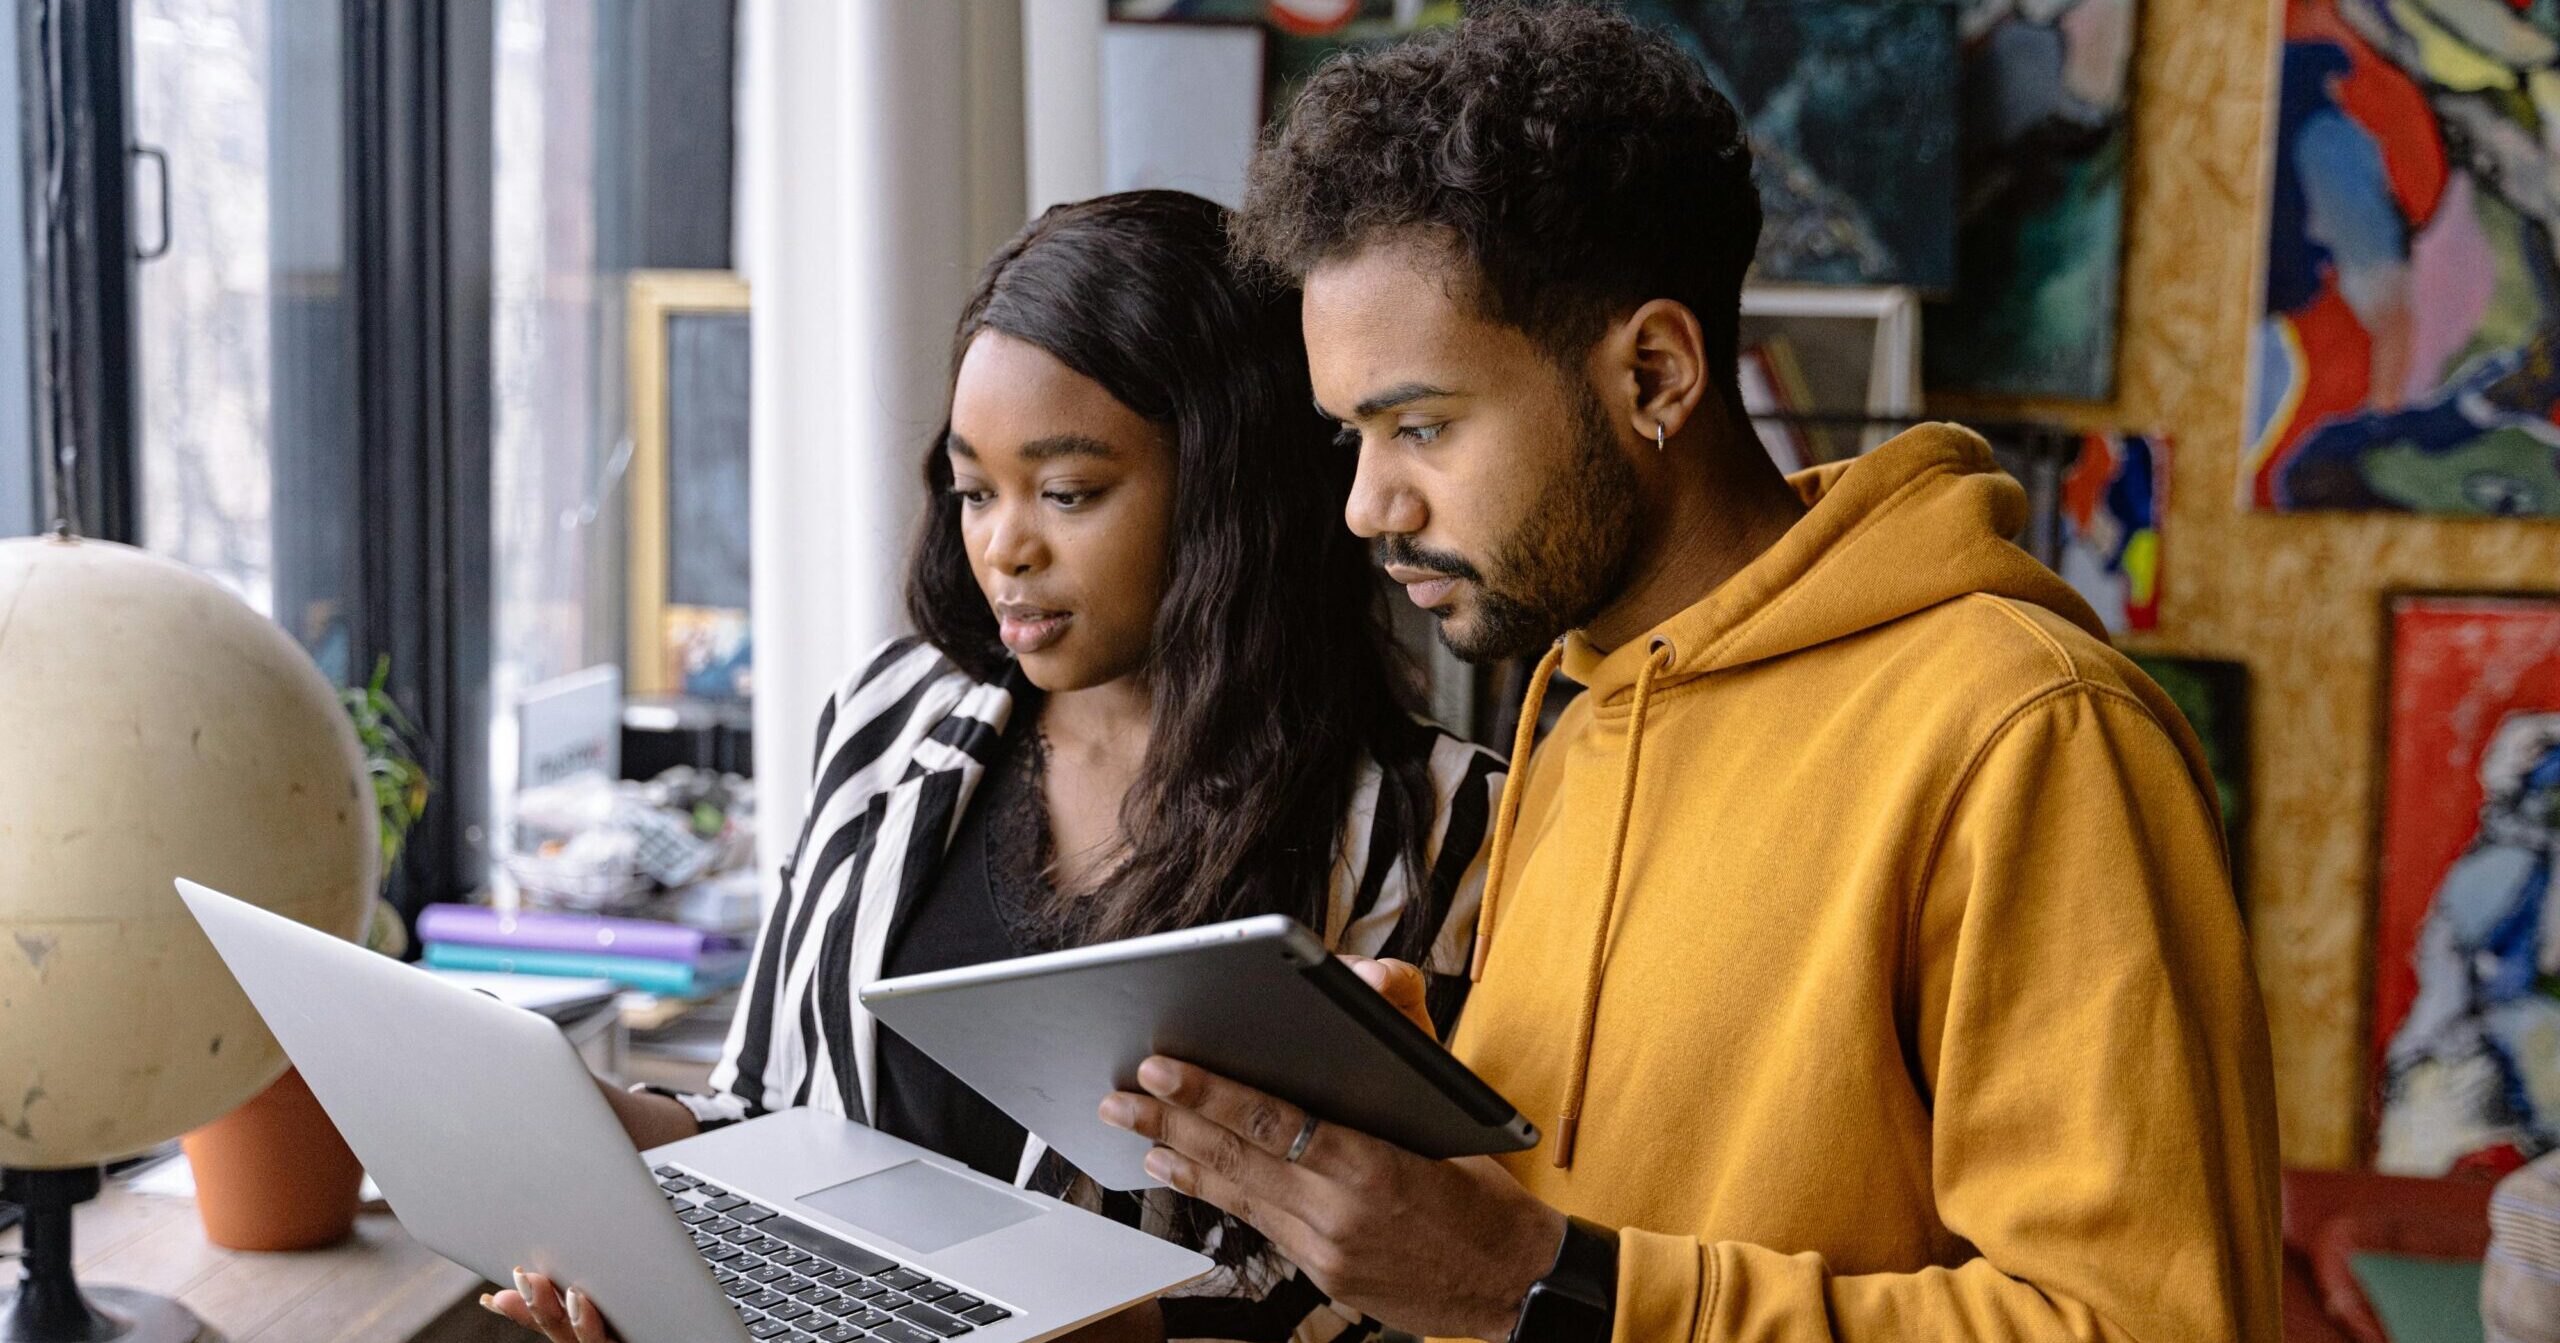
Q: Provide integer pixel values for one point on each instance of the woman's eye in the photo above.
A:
(1419, 433)
(971, 496)
(1071, 498)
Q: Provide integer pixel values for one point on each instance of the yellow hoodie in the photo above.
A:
(1864, 943)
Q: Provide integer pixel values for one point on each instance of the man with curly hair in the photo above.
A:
(1862, 937)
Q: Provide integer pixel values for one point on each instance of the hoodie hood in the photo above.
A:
(1923, 519)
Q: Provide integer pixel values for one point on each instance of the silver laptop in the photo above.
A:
(493, 1145)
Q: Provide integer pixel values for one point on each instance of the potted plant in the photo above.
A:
(400, 791)
(274, 1174)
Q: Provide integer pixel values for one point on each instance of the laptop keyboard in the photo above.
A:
(792, 1283)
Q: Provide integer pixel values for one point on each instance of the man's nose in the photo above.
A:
(1380, 503)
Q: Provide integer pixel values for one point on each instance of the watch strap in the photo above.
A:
(1577, 1301)
(1587, 1264)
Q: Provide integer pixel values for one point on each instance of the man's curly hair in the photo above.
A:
(1579, 161)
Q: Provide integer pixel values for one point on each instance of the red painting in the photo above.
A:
(2466, 1019)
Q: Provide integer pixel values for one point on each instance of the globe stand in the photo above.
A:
(48, 1306)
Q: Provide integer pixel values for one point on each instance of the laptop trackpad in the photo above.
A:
(921, 1206)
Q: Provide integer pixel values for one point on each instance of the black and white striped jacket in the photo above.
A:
(901, 749)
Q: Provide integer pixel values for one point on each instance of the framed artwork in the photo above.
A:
(2040, 222)
(2214, 696)
(1857, 173)
(2404, 357)
(2113, 499)
(689, 543)
(2466, 981)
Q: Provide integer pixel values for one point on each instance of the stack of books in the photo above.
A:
(667, 959)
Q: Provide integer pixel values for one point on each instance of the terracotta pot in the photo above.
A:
(274, 1174)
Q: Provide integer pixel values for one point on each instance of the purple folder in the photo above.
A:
(535, 930)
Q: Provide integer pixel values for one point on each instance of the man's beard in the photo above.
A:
(1567, 560)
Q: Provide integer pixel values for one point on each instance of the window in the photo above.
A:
(245, 400)
(357, 282)
(555, 344)
(612, 154)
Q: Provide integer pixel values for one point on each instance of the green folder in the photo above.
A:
(2422, 1300)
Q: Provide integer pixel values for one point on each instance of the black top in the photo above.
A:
(982, 906)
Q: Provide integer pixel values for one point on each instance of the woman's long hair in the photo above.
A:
(1272, 670)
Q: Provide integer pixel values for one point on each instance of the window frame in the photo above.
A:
(75, 116)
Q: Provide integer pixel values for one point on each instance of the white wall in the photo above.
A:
(881, 160)
(1062, 99)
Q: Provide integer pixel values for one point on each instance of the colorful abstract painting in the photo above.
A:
(2040, 217)
(2214, 696)
(2466, 986)
(2404, 358)
(1857, 174)
(1857, 169)
(2112, 501)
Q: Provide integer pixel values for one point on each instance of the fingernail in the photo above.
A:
(522, 1286)
(1160, 1164)
(1119, 1111)
(1156, 1076)
(577, 1307)
(489, 1303)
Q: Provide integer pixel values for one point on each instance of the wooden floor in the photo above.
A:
(379, 1287)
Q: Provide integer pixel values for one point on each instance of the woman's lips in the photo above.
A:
(1026, 631)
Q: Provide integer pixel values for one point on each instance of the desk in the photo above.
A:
(377, 1287)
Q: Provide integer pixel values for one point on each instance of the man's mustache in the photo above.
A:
(1401, 550)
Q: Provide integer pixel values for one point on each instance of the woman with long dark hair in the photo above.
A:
(1151, 687)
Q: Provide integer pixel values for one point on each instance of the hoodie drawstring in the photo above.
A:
(1571, 1117)
(1506, 814)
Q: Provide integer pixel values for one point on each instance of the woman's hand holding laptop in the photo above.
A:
(567, 1316)
(538, 1304)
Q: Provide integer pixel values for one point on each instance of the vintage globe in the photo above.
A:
(152, 726)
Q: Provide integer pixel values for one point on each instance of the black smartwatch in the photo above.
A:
(1577, 1302)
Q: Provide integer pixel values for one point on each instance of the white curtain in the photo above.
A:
(882, 160)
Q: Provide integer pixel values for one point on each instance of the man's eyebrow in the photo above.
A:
(1402, 393)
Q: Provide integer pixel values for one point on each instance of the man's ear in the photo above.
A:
(1658, 358)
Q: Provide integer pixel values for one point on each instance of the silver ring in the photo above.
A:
(1298, 1145)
